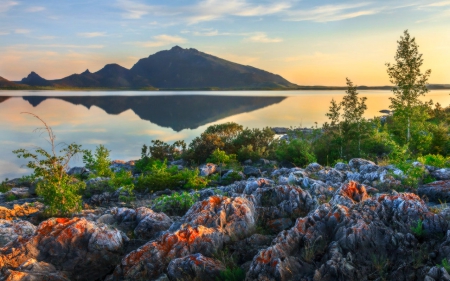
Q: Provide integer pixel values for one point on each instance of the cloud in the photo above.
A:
(3, 33)
(261, 37)
(45, 37)
(437, 4)
(34, 9)
(328, 13)
(5, 5)
(160, 40)
(91, 34)
(206, 10)
(22, 31)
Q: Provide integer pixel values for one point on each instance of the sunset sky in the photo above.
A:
(307, 42)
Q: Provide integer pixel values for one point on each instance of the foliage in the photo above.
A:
(418, 230)
(445, 264)
(434, 160)
(159, 150)
(202, 147)
(10, 197)
(193, 179)
(4, 187)
(99, 162)
(232, 272)
(159, 176)
(122, 178)
(413, 174)
(176, 204)
(296, 151)
(410, 84)
(59, 190)
(260, 140)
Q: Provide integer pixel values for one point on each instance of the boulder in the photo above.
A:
(356, 163)
(438, 191)
(441, 174)
(78, 247)
(20, 211)
(32, 270)
(194, 267)
(10, 230)
(251, 171)
(207, 169)
(151, 224)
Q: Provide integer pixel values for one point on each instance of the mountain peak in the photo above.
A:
(86, 72)
(33, 79)
(177, 48)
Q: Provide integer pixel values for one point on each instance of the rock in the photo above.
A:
(194, 267)
(337, 242)
(79, 171)
(33, 270)
(179, 162)
(441, 174)
(252, 185)
(117, 165)
(206, 227)
(438, 191)
(247, 248)
(356, 163)
(78, 247)
(248, 162)
(350, 194)
(100, 199)
(280, 130)
(18, 192)
(207, 169)
(228, 174)
(313, 168)
(342, 167)
(251, 171)
(20, 211)
(437, 273)
(331, 176)
(151, 224)
(10, 230)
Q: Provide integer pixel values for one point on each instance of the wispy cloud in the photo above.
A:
(22, 31)
(160, 40)
(261, 37)
(34, 9)
(333, 12)
(206, 10)
(69, 46)
(437, 4)
(5, 5)
(91, 34)
(45, 37)
(3, 33)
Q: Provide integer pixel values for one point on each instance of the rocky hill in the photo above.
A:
(176, 68)
(6, 83)
(316, 223)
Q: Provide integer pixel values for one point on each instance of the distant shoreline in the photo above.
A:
(314, 88)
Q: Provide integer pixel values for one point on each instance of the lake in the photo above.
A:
(124, 121)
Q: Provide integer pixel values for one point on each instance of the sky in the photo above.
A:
(307, 42)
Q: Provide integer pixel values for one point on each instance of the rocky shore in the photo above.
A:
(345, 222)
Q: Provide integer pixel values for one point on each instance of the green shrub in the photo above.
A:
(202, 147)
(193, 179)
(232, 274)
(247, 152)
(61, 193)
(99, 162)
(160, 150)
(412, 174)
(120, 179)
(434, 160)
(256, 143)
(175, 204)
(159, 176)
(296, 151)
(10, 197)
(4, 187)
(418, 230)
(445, 264)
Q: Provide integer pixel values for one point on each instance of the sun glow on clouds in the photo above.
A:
(160, 40)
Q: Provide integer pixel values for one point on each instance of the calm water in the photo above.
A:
(124, 121)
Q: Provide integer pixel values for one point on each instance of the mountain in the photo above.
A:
(176, 68)
(178, 112)
(189, 68)
(6, 83)
(33, 79)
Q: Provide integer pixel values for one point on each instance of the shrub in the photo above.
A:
(193, 179)
(4, 187)
(10, 197)
(202, 147)
(434, 160)
(120, 179)
(176, 204)
(59, 190)
(445, 264)
(296, 151)
(247, 152)
(160, 150)
(260, 140)
(99, 162)
(412, 174)
(159, 176)
(232, 274)
(418, 230)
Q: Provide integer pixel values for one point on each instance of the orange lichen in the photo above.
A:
(355, 193)
(264, 256)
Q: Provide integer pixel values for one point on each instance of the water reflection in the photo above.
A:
(176, 112)
(124, 122)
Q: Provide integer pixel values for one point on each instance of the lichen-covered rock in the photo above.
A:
(438, 191)
(10, 230)
(20, 211)
(194, 267)
(80, 248)
(251, 171)
(253, 185)
(349, 194)
(205, 228)
(313, 168)
(441, 174)
(208, 169)
(151, 224)
(32, 270)
(338, 242)
(356, 163)
(437, 274)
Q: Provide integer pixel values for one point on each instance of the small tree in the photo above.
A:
(334, 115)
(99, 163)
(354, 109)
(410, 83)
(59, 190)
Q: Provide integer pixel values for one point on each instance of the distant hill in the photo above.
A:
(176, 68)
(6, 83)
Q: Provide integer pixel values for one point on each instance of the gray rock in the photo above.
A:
(252, 171)
(441, 174)
(151, 224)
(207, 169)
(356, 163)
(194, 267)
(10, 230)
(313, 168)
(438, 191)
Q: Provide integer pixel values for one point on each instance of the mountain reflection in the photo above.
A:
(176, 112)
